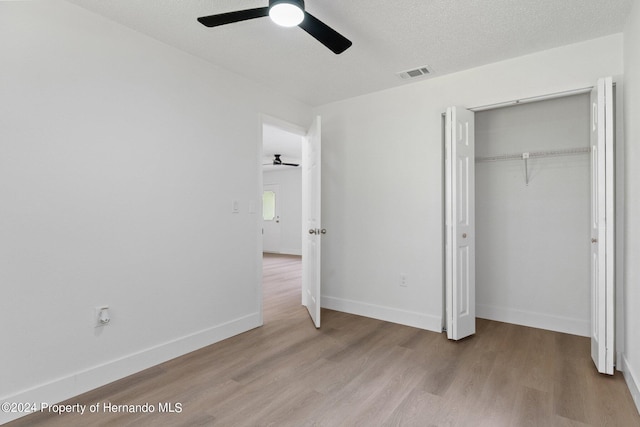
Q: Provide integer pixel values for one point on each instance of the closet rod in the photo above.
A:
(535, 154)
(532, 99)
(546, 97)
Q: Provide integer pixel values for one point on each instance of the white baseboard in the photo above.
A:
(535, 320)
(632, 381)
(388, 314)
(286, 252)
(80, 382)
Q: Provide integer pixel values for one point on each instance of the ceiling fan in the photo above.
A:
(287, 13)
(277, 161)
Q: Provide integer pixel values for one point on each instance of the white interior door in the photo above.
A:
(271, 218)
(312, 231)
(602, 226)
(460, 305)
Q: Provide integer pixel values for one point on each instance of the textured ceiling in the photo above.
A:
(387, 36)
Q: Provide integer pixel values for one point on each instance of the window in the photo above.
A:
(268, 205)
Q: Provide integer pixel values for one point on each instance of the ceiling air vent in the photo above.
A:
(416, 72)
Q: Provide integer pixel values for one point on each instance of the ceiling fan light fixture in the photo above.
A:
(286, 13)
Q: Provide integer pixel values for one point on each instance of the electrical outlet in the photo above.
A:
(404, 282)
(101, 316)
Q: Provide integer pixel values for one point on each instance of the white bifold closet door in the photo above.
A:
(460, 223)
(602, 226)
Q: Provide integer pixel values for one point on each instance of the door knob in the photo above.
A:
(312, 231)
(464, 235)
(594, 240)
(323, 231)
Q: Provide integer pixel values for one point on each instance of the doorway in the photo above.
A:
(281, 254)
(533, 214)
(302, 212)
(282, 190)
(460, 220)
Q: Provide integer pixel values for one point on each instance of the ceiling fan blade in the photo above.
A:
(231, 17)
(326, 35)
(290, 164)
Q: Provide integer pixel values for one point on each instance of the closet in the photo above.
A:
(532, 213)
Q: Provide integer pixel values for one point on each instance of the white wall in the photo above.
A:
(631, 357)
(382, 176)
(112, 191)
(289, 201)
(533, 241)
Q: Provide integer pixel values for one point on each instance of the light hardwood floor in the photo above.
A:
(356, 371)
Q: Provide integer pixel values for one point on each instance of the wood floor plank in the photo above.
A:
(534, 408)
(418, 409)
(360, 371)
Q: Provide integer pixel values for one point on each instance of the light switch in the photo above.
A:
(235, 207)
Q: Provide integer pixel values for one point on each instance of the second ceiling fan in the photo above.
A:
(277, 161)
(287, 13)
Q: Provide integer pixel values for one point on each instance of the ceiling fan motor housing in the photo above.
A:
(299, 3)
(286, 13)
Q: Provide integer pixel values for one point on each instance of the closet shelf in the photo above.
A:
(535, 154)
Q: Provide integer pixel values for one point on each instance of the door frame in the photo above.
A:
(619, 189)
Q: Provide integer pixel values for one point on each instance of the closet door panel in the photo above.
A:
(602, 227)
(460, 223)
